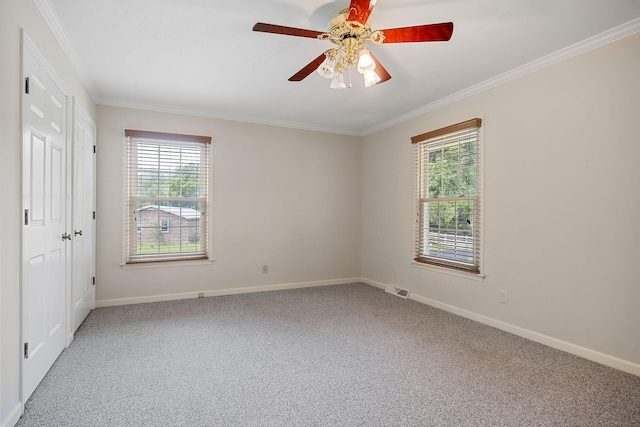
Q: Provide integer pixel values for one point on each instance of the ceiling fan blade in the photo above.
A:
(380, 70)
(359, 10)
(420, 33)
(308, 69)
(287, 31)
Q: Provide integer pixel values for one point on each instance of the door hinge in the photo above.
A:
(94, 149)
(94, 214)
(26, 350)
(93, 280)
(26, 85)
(26, 217)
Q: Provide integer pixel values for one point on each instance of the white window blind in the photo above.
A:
(167, 197)
(448, 227)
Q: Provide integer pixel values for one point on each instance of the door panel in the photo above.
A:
(36, 163)
(44, 251)
(57, 182)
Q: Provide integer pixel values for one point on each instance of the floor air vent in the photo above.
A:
(402, 293)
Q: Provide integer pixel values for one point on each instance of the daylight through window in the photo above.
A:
(447, 196)
(167, 200)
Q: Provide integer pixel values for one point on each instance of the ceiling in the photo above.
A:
(201, 57)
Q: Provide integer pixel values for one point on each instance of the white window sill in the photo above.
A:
(449, 271)
(162, 264)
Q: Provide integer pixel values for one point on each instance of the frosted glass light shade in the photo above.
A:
(371, 78)
(338, 81)
(328, 66)
(365, 62)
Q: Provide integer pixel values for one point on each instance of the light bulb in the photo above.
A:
(365, 61)
(338, 81)
(371, 78)
(328, 66)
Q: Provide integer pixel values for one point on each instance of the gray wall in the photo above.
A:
(560, 208)
(289, 199)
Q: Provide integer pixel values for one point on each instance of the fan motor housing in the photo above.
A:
(347, 33)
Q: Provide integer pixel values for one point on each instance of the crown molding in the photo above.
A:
(589, 44)
(56, 27)
(194, 112)
(52, 19)
(584, 46)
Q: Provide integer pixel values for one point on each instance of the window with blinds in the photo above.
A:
(167, 197)
(447, 196)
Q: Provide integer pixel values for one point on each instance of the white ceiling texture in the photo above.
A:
(201, 57)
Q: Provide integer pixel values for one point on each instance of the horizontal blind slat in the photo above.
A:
(447, 198)
(167, 198)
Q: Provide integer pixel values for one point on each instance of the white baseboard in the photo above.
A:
(374, 283)
(13, 417)
(220, 292)
(585, 353)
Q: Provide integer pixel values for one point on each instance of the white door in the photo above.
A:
(83, 293)
(44, 251)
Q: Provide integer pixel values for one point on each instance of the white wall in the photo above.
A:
(562, 199)
(14, 15)
(290, 199)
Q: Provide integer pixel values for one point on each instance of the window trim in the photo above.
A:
(130, 225)
(473, 123)
(164, 136)
(444, 265)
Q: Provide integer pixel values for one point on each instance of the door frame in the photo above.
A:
(29, 47)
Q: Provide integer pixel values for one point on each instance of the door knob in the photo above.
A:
(77, 232)
(66, 236)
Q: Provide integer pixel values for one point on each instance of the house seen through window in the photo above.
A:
(167, 199)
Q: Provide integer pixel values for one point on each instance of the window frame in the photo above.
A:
(422, 143)
(133, 224)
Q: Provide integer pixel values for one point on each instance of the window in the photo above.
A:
(447, 198)
(167, 197)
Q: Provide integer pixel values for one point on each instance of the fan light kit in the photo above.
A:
(350, 31)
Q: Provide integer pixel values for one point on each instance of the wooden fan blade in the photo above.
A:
(308, 69)
(420, 33)
(380, 70)
(287, 31)
(359, 10)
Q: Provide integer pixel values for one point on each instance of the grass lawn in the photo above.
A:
(169, 248)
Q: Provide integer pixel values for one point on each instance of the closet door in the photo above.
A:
(83, 293)
(44, 230)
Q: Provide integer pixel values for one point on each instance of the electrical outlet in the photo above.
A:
(265, 268)
(503, 296)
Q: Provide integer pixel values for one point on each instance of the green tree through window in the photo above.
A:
(447, 227)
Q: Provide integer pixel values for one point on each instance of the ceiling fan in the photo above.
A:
(349, 31)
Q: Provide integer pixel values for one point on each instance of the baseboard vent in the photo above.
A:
(402, 293)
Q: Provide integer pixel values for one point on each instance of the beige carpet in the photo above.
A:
(348, 355)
